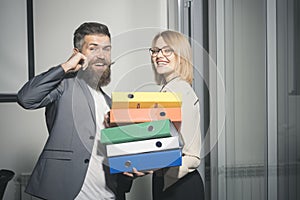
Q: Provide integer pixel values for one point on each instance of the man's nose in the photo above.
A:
(99, 53)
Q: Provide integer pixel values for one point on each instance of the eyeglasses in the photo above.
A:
(166, 51)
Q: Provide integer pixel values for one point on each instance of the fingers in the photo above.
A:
(74, 63)
(107, 120)
(78, 60)
(85, 64)
(135, 173)
(128, 174)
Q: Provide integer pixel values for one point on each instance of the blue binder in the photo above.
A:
(145, 161)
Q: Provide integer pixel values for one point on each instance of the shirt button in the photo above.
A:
(86, 161)
(92, 137)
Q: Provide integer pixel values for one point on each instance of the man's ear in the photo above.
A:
(76, 50)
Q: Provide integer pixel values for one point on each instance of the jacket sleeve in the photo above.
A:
(41, 89)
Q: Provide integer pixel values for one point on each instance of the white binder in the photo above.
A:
(143, 146)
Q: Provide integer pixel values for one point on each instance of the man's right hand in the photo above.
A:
(135, 173)
(74, 63)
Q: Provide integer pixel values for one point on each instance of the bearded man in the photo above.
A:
(72, 165)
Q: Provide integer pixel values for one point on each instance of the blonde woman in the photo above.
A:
(171, 56)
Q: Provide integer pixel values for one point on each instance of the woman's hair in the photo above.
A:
(183, 55)
(88, 28)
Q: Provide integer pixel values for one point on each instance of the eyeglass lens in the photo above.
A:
(166, 51)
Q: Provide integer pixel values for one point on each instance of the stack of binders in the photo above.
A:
(143, 133)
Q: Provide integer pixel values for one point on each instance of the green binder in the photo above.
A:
(136, 132)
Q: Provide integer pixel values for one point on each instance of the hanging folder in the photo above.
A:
(125, 116)
(145, 100)
(135, 132)
(145, 161)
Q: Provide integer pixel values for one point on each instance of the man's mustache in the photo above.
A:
(105, 62)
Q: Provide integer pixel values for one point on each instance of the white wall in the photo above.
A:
(13, 50)
(132, 23)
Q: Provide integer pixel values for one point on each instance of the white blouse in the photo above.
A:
(190, 131)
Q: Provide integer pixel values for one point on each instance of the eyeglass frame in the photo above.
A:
(151, 51)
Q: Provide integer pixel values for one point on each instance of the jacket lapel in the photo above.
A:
(107, 98)
(88, 96)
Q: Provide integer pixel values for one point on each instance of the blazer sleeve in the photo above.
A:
(41, 89)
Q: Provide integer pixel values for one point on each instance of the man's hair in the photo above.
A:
(88, 28)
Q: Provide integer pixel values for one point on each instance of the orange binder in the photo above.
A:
(125, 116)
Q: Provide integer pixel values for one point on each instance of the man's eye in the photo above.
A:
(107, 49)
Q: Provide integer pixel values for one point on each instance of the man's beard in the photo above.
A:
(95, 78)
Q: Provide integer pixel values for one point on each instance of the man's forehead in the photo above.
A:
(97, 39)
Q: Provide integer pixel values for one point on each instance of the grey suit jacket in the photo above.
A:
(70, 117)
